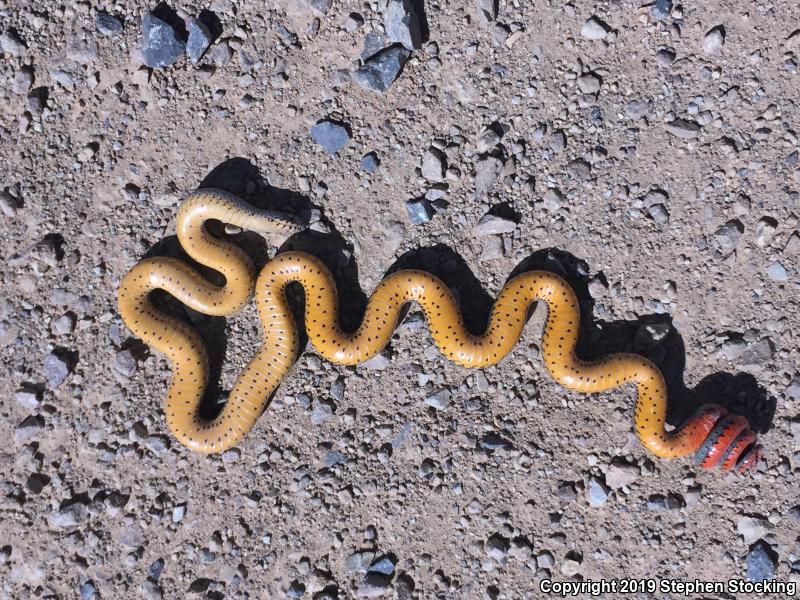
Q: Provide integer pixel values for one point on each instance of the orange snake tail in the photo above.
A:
(715, 437)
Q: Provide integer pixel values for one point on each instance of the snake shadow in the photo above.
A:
(740, 393)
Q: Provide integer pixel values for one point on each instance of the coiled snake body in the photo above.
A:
(716, 437)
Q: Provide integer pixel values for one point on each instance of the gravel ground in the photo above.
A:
(652, 149)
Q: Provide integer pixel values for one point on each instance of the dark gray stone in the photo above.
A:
(370, 162)
(331, 136)
(56, 370)
(381, 70)
(402, 24)
(419, 211)
(107, 24)
(660, 9)
(88, 591)
(161, 45)
(384, 565)
(200, 39)
(760, 562)
(374, 42)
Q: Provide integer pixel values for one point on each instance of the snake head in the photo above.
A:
(731, 444)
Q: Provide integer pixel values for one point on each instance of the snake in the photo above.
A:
(713, 436)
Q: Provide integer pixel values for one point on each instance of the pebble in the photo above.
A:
(751, 529)
(199, 40)
(760, 563)
(490, 224)
(589, 83)
(107, 24)
(558, 141)
(579, 169)
(489, 139)
(151, 591)
(384, 566)
(439, 399)
(402, 24)
(296, 590)
(30, 427)
(124, 363)
(433, 165)
(665, 57)
(553, 199)
(178, 513)
(374, 42)
(370, 162)
(621, 475)
(660, 9)
(68, 516)
(63, 325)
(650, 335)
(11, 44)
(373, 586)
(56, 370)
(359, 562)
(486, 173)
(594, 29)
(161, 45)
(28, 399)
(379, 72)
(726, 238)
(419, 211)
(777, 272)
(323, 410)
(231, 455)
(331, 136)
(88, 591)
(23, 81)
(570, 567)
(683, 129)
(714, 40)
(497, 547)
(596, 492)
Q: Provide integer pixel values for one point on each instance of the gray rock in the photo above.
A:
(487, 11)
(107, 24)
(63, 325)
(370, 162)
(374, 42)
(11, 44)
(558, 141)
(404, 587)
(88, 591)
(378, 72)
(659, 214)
(489, 139)
(596, 492)
(331, 136)
(751, 528)
(714, 40)
(594, 29)
(124, 363)
(433, 165)
(157, 443)
(151, 591)
(69, 515)
(178, 513)
(660, 9)
(683, 129)
(553, 199)
(321, 7)
(373, 586)
(650, 335)
(161, 45)
(199, 40)
(727, 237)
(760, 562)
(419, 211)
(621, 474)
(758, 354)
(777, 272)
(359, 562)
(490, 224)
(384, 565)
(486, 172)
(402, 24)
(29, 428)
(497, 547)
(665, 57)
(296, 590)
(231, 455)
(23, 81)
(56, 370)
(28, 399)
(323, 410)
(439, 399)
(154, 570)
(589, 83)
(579, 169)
